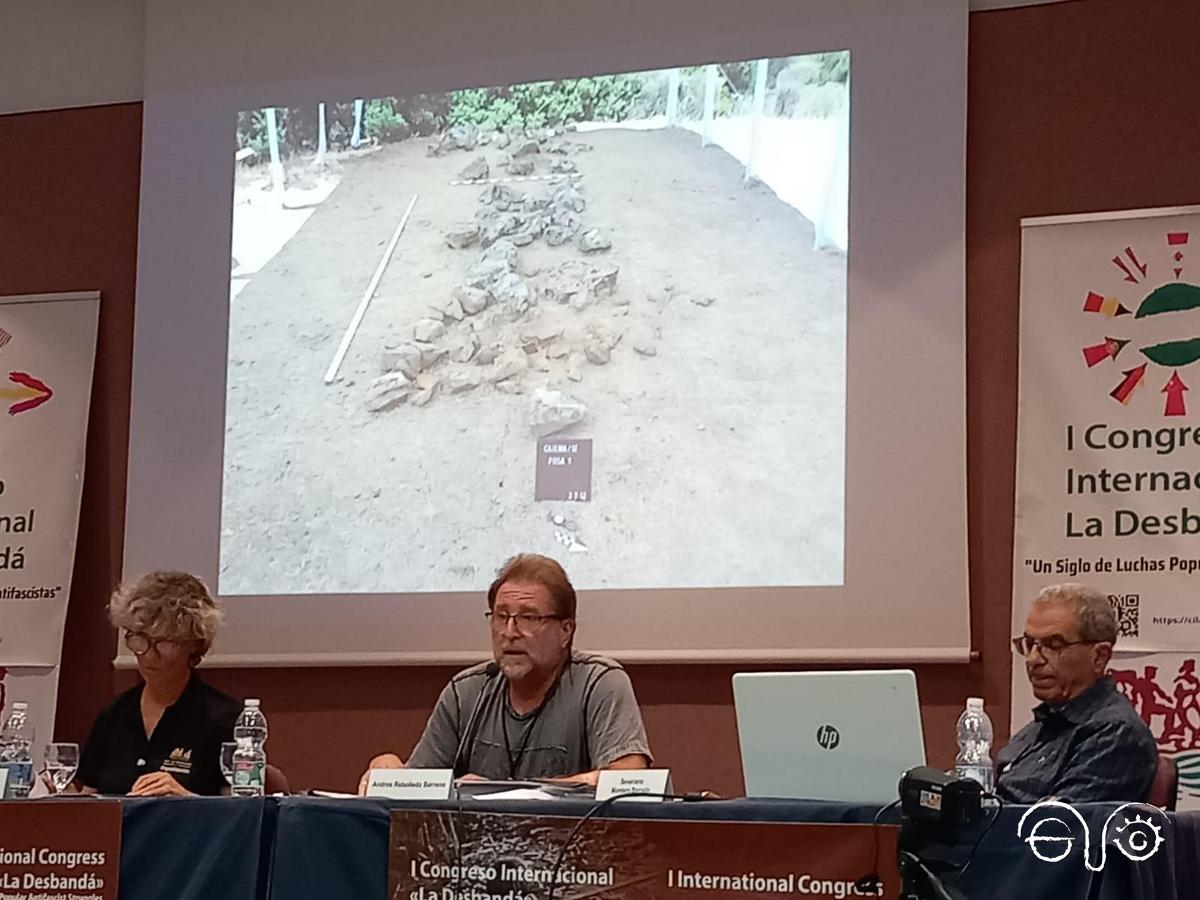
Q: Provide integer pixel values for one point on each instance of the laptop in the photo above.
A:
(828, 735)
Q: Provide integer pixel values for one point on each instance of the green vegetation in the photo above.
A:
(384, 121)
(798, 86)
(603, 98)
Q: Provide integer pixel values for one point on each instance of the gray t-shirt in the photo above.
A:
(589, 718)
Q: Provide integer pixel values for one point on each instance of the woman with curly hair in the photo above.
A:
(164, 736)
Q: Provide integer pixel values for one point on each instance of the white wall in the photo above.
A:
(977, 5)
(62, 53)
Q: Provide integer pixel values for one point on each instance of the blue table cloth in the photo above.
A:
(307, 848)
(196, 848)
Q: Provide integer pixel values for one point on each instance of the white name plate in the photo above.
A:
(411, 784)
(630, 783)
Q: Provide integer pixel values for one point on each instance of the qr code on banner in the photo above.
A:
(1127, 607)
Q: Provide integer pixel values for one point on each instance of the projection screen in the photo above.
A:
(671, 292)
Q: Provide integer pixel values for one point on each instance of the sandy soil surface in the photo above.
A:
(718, 461)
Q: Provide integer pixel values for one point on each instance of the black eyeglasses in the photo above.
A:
(140, 643)
(525, 622)
(1050, 646)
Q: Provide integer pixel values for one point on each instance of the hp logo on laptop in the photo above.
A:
(828, 737)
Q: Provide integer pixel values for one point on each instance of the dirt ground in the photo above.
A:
(717, 462)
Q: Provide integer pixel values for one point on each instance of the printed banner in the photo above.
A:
(500, 856)
(1108, 442)
(1165, 690)
(1108, 455)
(39, 688)
(47, 351)
(64, 850)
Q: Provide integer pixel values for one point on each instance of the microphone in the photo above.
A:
(466, 743)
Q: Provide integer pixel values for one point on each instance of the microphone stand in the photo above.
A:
(462, 757)
(924, 859)
(922, 883)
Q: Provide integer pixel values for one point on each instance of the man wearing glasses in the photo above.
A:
(540, 708)
(1086, 742)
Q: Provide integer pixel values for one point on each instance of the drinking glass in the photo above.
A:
(61, 761)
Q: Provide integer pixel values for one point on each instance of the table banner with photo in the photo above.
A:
(497, 856)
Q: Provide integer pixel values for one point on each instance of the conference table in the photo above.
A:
(314, 848)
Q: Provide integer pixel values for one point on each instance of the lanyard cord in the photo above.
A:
(514, 760)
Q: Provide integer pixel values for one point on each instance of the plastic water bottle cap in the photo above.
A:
(975, 703)
(254, 704)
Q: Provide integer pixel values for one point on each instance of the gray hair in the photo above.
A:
(1093, 610)
(172, 605)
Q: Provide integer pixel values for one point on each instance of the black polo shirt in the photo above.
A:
(186, 742)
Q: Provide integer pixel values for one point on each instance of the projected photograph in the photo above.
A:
(601, 318)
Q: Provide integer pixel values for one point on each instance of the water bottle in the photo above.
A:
(16, 751)
(250, 757)
(975, 745)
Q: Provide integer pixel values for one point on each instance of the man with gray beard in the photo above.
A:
(539, 709)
